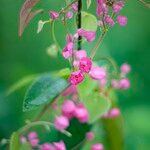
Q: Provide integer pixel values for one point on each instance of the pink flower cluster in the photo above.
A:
(69, 14)
(123, 82)
(33, 139)
(103, 10)
(70, 110)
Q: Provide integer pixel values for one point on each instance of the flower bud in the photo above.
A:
(61, 123)
(97, 146)
(59, 145)
(53, 14)
(124, 83)
(122, 20)
(125, 68)
(89, 136)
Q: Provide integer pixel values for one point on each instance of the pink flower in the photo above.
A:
(122, 20)
(34, 142)
(85, 64)
(125, 68)
(68, 108)
(117, 6)
(101, 8)
(90, 136)
(75, 7)
(97, 146)
(68, 50)
(76, 78)
(124, 83)
(59, 145)
(61, 123)
(80, 54)
(81, 113)
(115, 84)
(98, 73)
(69, 14)
(109, 21)
(47, 146)
(53, 14)
(32, 135)
(88, 35)
(114, 112)
(70, 90)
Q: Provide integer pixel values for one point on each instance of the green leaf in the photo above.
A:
(44, 89)
(88, 3)
(97, 105)
(89, 21)
(25, 146)
(84, 89)
(114, 127)
(21, 83)
(14, 141)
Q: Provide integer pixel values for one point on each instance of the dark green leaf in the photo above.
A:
(14, 141)
(44, 89)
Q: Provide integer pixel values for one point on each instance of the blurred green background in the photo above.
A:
(27, 55)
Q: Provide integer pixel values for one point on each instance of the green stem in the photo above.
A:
(94, 50)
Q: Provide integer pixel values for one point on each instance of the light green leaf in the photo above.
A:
(89, 21)
(44, 89)
(21, 83)
(88, 3)
(14, 141)
(97, 105)
(86, 87)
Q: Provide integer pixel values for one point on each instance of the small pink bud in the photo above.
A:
(47, 146)
(101, 8)
(69, 14)
(97, 146)
(122, 20)
(69, 38)
(90, 136)
(88, 35)
(115, 84)
(124, 83)
(68, 50)
(34, 142)
(125, 68)
(85, 64)
(68, 108)
(23, 139)
(80, 54)
(114, 112)
(76, 78)
(59, 145)
(98, 73)
(75, 7)
(61, 123)
(109, 21)
(53, 14)
(32, 135)
(81, 114)
(103, 82)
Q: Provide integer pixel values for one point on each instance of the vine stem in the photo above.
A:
(40, 123)
(94, 50)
